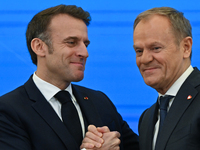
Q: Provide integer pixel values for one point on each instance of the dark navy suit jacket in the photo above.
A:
(28, 122)
(181, 128)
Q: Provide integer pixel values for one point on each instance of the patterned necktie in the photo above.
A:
(70, 116)
(164, 101)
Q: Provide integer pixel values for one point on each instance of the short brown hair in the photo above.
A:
(38, 26)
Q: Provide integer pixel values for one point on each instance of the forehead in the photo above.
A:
(64, 23)
(153, 28)
(153, 23)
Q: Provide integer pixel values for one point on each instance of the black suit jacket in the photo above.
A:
(28, 122)
(181, 128)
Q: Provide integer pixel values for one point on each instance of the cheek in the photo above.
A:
(137, 62)
(69, 55)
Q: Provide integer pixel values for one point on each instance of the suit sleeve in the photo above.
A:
(129, 139)
(12, 134)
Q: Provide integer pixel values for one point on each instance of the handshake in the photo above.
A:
(100, 138)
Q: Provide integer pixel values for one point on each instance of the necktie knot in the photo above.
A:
(164, 101)
(63, 97)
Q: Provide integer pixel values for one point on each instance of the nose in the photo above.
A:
(82, 51)
(146, 56)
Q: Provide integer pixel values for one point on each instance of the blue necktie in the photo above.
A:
(164, 101)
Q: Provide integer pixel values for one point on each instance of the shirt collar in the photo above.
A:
(48, 90)
(173, 90)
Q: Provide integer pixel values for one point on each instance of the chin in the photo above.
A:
(77, 79)
(150, 83)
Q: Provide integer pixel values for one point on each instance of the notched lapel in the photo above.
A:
(147, 127)
(44, 109)
(179, 106)
(51, 118)
(87, 107)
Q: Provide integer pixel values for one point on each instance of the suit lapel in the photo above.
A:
(146, 127)
(152, 120)
(44, 109)
(87, 107)
(179, 106)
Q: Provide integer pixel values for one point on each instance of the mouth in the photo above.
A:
(149, 70)
(78, 64)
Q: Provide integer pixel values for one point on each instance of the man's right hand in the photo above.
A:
(101, 138)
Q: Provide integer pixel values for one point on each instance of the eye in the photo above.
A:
(138, 52)
(71, 43)
(87, 43)
(156, 48)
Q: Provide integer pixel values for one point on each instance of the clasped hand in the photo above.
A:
(101, 138)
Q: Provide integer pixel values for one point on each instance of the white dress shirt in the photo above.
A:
(48, 90)
(173, 90)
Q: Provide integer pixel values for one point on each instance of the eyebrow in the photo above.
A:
(70, 37)
(76, 38)
(155, 43)
(151, 44)
(134, 46)
(87, 41)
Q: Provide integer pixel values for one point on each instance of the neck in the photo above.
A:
(56, 82)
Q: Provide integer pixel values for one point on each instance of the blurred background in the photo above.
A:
(111, 65)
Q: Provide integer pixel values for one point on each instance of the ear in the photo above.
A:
(39, 47)
(187, 47)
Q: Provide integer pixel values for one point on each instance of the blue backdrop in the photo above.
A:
(111, 65)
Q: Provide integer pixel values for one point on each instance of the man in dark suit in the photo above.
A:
(163, 45)
(31, 116)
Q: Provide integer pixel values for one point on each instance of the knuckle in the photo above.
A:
(85, 140)
(91, 127)
(118, 141)
(117, 134)
(89, 134)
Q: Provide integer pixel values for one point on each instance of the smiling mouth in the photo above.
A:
(78, 63)
(149, 70)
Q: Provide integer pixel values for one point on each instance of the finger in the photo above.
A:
(93, 129)
(87, 146)
(103, 129)
(90, 137)
(118, 141)
(117, 134)
(112, 140)
(91, 142)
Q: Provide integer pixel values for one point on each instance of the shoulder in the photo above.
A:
(146, 114)
(82, 88)
(87, 91)
(19, 92)
(13, 94)
(192, 81)
(96, 96)
(13, 102)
